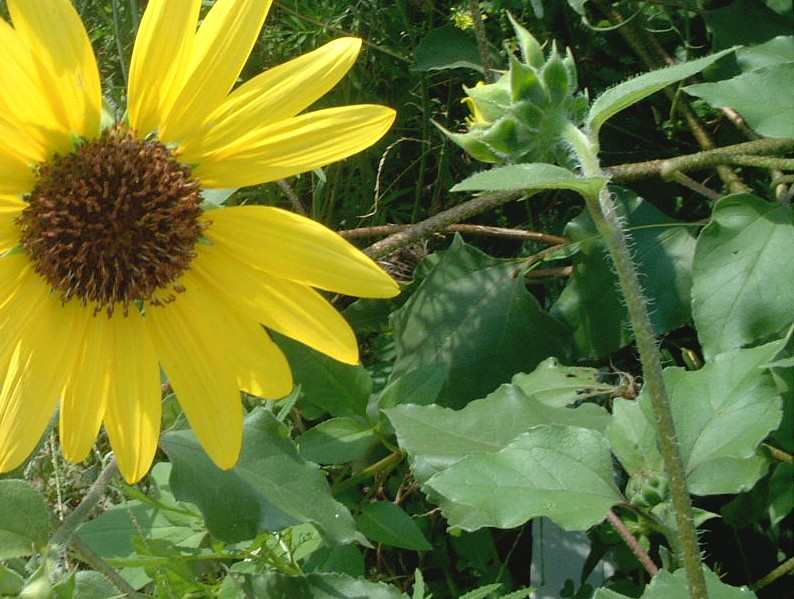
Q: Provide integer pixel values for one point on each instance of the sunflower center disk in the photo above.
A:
(114, 222)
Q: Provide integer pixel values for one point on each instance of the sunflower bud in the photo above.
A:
(519, 117)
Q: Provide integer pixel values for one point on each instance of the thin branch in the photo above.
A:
(778, 572)
(482, 40)
(293, 198)
(460, 228)
(709, 158)
(440, 221)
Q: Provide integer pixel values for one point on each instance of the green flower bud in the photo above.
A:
(555, 77)
(492, 99)
(531, 51)
(647, 488)
(525, 84)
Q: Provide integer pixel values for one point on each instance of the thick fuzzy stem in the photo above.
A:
(603, 210)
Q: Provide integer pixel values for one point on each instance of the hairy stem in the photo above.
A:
(604, 212)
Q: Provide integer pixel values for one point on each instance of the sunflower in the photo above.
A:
(112, 271)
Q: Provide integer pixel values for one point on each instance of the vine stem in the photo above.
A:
(604, 211)
(630, 540)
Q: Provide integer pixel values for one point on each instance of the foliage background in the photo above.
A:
(351, 483)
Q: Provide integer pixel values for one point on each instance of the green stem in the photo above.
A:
(604, 212)
(81, 513)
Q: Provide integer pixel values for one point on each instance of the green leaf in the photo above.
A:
(561, 386)
(335, 441)
(271, 487)
(11, 583)
(632, 91)
(336, 388)
(742, 290)
(633, 438)
(591, 303)
(666, 585)
(387, 523)
(763, 97)
(322, 586)
(562, 472)
(420, 386)
(447, 48)
(24, 519)
(121, 534)
(533, 177)
(474, 313)
(92, 585)
(781, 492)
(721, 412)
(746, 23)
(436, 438)
(777, 50)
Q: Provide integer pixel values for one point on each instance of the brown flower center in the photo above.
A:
(114, 222)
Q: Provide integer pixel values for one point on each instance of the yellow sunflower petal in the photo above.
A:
(261, 368)
(293, 247)
(278, 93)
(160, 60)
(33, 382)
(291, 146)
(55, 34)
(132, 416)
(22, 292)
(28, 126)
(10, 208)
(220, 49)
(86, 390)
(289, 308)
(190, 341)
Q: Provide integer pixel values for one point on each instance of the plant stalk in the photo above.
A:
(604, 212)
(83, 510)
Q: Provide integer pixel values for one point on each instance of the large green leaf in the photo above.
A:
(436, 437)
(742, 286)
(633, 437)
(474, 313)
(763, 97)
(721, 412)
(632, 91)
(24, 519)
(322, 586)
(336, 441)
(447, 48)
(591, 303)
(271, 487)
(562, 472)
(333, 387)
(775, 51)
(386, 522)
(667, 585)
(746, 23)
(561, 386)
(536, 176)
(123, 534)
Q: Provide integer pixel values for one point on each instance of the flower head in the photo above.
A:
(112, 272)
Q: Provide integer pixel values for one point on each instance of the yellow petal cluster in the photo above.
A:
(260, 265)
